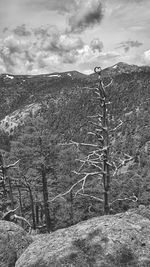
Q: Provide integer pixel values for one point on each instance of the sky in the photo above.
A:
(46, 36)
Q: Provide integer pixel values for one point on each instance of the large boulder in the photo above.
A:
(13, 241)
(121, 240)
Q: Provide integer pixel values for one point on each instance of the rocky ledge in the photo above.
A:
(108, 241)
(13, 242)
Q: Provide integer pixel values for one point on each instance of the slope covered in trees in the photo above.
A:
(41, 145)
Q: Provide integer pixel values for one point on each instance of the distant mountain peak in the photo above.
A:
(121, 64)
(122, 67)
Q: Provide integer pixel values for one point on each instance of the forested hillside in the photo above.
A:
(45, 117)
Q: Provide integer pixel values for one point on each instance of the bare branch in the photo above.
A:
(83, 180)
(123, 163)
(132, 198)
(86, 174)
(117, 127)
(97, 93)
(108, 103)
(84, 144)
(77, 193)
(91, 133)
(96, 198)
(100, 98)
(110, 164)
(95, 124)
(41, 226)
(96, 116)
(21, 218)
(7, 215)
(11, 165)
(78, 144)
(100, 127)
(67, 192)
(92, 163)
(86, 159)
(105, 86)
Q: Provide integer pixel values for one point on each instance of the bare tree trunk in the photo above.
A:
(21, 207)
(41, 213)
(71, 208)
(11, 193)
(45, 197)
(106, 175)
(104, 144)
(2, 171)
(37, 213)
(32, 208)
(32, 203)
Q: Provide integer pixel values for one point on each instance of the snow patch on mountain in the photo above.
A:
(9, 76)
(54, 75)
(12, 121)
(115, 67)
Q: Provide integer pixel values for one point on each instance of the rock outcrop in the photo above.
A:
(13, 241)
(108, 241)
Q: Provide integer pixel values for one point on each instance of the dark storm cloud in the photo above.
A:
(130, 44)
(87, 15)
(96, 45)
(22, 31)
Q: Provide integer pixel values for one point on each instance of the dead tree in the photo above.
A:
(102, 134)
(3, 175)
(99, 156)
(45, 197)
(28, 186)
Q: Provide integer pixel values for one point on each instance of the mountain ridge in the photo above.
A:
(120, 67)
(23, 92)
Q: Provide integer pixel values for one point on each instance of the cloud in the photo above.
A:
(2, 66)
(13, 53)
(130, 44)
(96, 45)
(22, 31)
(146, 57)
(45, 50)
(64, 46)
(129, 16)
(42, 52)
(87, 14)
(102, 59)
(67, 45)
(12, 45)
(5, 29)
(62, 6)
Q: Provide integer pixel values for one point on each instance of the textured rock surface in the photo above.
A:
(108, 241)
(13, 241)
